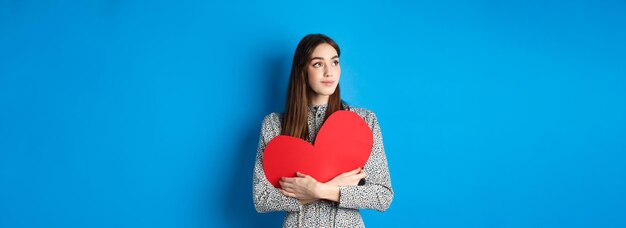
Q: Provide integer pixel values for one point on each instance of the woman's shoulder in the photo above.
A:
(271, 126)
(368, 115)
(272, 119)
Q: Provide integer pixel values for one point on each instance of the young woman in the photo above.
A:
(313, 95)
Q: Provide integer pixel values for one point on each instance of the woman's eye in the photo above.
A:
(317, 64)
(336, 62)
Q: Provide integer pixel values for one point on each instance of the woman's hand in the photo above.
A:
(303, 187)
(350, 178)
(306, 189)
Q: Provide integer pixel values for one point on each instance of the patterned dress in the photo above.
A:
(375, 194)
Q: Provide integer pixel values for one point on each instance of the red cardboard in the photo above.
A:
(343, 143)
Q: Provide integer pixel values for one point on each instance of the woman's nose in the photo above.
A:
(327, 72)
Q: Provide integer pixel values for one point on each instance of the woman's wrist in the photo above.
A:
(328, 192)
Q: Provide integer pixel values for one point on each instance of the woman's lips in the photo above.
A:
(328, 83)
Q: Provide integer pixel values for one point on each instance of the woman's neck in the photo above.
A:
(317, 99)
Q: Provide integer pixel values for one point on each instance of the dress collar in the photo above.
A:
(316, 108)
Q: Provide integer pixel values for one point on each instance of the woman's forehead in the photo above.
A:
(324, 51)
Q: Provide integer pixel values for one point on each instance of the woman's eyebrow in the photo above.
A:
(336, 56)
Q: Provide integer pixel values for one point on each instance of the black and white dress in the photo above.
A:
(375, 194)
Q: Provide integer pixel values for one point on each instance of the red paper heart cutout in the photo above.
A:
(343, 143)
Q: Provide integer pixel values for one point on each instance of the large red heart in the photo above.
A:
(343, 143)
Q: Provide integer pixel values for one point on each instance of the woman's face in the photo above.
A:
(323, 70)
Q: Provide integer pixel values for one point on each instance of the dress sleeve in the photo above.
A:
(377, 192)
(267, 198)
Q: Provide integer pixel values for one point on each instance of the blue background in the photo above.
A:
(147, 113)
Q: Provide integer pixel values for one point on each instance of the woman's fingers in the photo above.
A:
(290, 180)
(287, 193)
(352, 172)
(284, 184)
(299, 174)
(285, 189)
(291, 190)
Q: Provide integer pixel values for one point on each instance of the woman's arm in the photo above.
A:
(377, 193)
(267, 198)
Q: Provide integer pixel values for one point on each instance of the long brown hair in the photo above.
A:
(295, 118)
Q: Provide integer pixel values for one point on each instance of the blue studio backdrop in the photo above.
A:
(136, 113)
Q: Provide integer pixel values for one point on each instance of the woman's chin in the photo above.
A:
(328, 93)
(325, 91)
